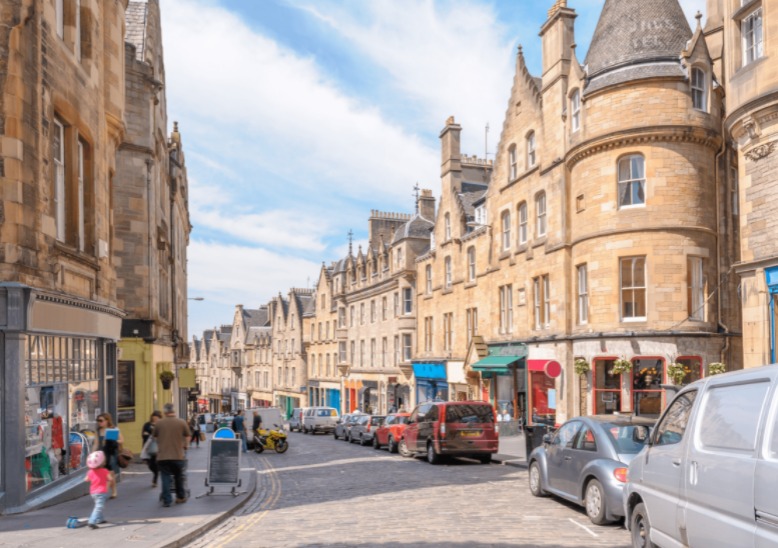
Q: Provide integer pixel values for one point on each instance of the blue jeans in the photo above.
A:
(245, 441)
(97, 513)
(172, 471)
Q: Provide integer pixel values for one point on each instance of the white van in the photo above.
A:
(709, 474)
(271, 416)
(319, 419)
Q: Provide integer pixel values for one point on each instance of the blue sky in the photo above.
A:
(300, 116)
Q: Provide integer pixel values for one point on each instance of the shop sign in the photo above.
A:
(126, 415)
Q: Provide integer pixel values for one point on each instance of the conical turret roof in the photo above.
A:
(636, 39)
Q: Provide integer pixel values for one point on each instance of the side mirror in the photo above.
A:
(639, 434)
(547, 438)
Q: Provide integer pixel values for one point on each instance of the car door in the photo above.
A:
(427, 427)
(412, 432)
(559, 454)
(662, 469)
(721, 464)
(584, 450)
(766, 484)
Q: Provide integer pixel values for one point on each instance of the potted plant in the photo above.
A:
(677, 372)
(581, 366)
(166, 377)
(621, 366)
(717, 368)
(648, 374)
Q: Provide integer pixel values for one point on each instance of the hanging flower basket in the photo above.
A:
(166, 378)
(717, 368)
(581, 366)
(677, 372)
(621, 366)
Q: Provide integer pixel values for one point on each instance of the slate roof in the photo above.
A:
(135, 23)
(207, 336)
(255, 317)
(417, 227)
(636, 39)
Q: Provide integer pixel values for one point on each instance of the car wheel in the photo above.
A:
(392, 445)
(595, 502)
(485, 459)
(403, 449)
(362, 440)
(535, 482)
(376, 445)
(335, 434)
(640, 528)
(432, 456)
(348, 438)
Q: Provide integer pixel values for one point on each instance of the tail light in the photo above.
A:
(442, 429)
(620, 474)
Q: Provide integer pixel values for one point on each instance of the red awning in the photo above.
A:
(551, 368)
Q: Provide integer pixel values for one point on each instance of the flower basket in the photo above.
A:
(166, 378)
(621, 366)
(677, 372)
(717, 368)
(581, 366)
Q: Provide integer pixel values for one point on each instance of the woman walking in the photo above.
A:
(109, 440)
(146, 433)
(194, 427)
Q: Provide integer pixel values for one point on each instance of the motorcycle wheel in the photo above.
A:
(258, 447)
(282, 446)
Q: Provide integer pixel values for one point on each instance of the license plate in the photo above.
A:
(471, 434)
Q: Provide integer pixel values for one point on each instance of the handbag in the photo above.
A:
(149, 449)
(124, 458)
(202, 436)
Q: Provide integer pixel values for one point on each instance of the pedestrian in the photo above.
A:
(239, 427)
(146, 432)
(194, 426)
(256, 423)
(109, 440)
(172, 435)
(99, 478)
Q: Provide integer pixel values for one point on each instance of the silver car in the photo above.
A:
(344, 424)
(363, 430)
(586, 461)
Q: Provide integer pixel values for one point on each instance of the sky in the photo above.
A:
(299, 117)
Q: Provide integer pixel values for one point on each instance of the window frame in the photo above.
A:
(630, 181)
(513, 161)
(696, 288)
(471, 263)
(575, 111)
(541, 220)
(633, 288)
(428, 281)
(506, 308)
(698, 82)
(532, 158)
(447, 227)
(582, 284)
(448, 271)
(523, 213)
(505, 224)
(60, 185)
(757, 31)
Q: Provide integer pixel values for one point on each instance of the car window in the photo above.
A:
(325, 412)
(628, 438)
(773, 443)
(401, 420)
(585, 440)
(379, 420)
(469, 413)
(673, 424)
(432, 414)
(389, 420)
(730, 416)
(566, 434)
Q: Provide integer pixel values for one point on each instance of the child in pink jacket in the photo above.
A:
(100, 481)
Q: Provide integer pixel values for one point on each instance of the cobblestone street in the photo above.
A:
(324, 492)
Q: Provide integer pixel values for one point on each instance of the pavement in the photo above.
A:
(512, 451)
(136, 515)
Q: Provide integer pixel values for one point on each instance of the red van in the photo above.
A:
(455, 428)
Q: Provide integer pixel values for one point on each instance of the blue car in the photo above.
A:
(585, 461)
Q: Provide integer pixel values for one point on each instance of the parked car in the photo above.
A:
(709, 473)
(363, 430)
(461, 429)
(344, 424)
(585, 461)
(388, 434)
(296, 419)
(319, 419)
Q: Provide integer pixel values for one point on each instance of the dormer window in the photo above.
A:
(575, 111)
(513, 160)
(447, 227)
(480, 215)
(531, 156)
(699, 90)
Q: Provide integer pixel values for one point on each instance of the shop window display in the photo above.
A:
(607, 388)
(543, 398)
(647, 377)
(693, 368)
(61, 404)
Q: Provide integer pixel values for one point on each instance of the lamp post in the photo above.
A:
(195, 298)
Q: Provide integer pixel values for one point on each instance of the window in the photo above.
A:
(585, 440)
(632, 181)
(523, 221)
(372, 352)
(341, 317)
(327, 372)
(373, 315)
(513, 160)
(695, 282)
(428, 274)
(583, 295)
(80, 192)
(352, 352)
(361, 314)
(566, 435)
(699, 93)
(323, 302)
(448, 331)
(399, 256)
(506, 309)
(396, 349)
(751, 30)
(506, 230)
(407, 341)
(384, 349)
(313, 365)
(447, 263)
(472, 323)
(396, 304)
(59, 178)
(480, 215)
(531, 158)
(673, 425)
(428, 334)
(607, 387)
(541, 301)
(540, 208)
(575, 111)
(320, 331)
(361, 353)
(342, 351)
(351, 318)
(471, 263)
(384, 308)
(407, 300)
(447, 227)
(633, 288)
(728, 416)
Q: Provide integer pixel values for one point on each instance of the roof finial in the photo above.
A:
(698, 16)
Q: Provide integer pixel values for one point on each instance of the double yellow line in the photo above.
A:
(265, 507)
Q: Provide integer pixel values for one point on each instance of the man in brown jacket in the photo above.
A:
(172, 436)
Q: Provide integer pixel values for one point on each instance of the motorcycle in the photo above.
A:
(271, 439)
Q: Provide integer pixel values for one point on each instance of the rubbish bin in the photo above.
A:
(533, 436)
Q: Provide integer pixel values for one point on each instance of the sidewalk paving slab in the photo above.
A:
(136, 515)
(512, 451)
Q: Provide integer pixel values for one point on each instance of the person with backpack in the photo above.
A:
(239, 427)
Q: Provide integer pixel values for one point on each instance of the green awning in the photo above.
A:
(495, 364)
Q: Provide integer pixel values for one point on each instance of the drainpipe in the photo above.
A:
(717, 176)
(150, 206)
(772, 327)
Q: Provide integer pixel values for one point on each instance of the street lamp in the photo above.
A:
(196, 298)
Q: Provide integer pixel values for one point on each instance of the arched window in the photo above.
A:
(513, 171)
(531, 156)
(540, 211)
(447, 225)
(506, 230)
(699, 90)
(632, 181)
(575, 111)
(523, 221)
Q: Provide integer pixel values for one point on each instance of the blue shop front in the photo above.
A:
(431, 384)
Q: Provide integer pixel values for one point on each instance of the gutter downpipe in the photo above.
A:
(717, 177)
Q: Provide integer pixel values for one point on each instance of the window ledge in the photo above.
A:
(521, 249)
(521, 177)
(446, 291)
(540, 241)
(471, 284)
(504, 255)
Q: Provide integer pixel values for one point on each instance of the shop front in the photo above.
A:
(287, 401)
(58, 374)
(431, 383)
(398, 395)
